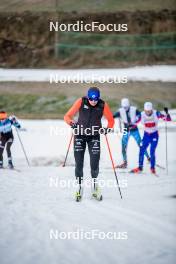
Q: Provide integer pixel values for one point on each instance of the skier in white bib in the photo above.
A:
(129, 115)
(150, 118)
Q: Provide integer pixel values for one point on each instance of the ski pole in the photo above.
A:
(68, 150)
(22, 146)
(166, 148)
(113, 165)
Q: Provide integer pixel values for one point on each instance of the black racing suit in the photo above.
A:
(6, 139)
(89, 116)
(93, 142)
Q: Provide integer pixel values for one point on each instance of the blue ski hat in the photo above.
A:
(93, 94)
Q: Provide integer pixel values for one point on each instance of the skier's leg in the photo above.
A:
(2, 146)
(8, 149)
(125, 139)
(137, 137)
(143, 146)
(79, 150)
(154, 143)
(94, 152)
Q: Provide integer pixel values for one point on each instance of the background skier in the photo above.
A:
(6, 136)
(150, 118)
(130, 116)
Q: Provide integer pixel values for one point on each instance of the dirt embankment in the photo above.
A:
(25, 39)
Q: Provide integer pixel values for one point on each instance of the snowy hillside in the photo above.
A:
(38, 201)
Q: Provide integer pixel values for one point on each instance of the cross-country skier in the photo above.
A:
(6, 136)
(130, 116)
(90, 109)
(150, 118)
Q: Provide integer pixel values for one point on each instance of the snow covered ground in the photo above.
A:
(164, 73)
(35, 204)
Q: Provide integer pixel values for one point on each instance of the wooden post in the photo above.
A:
(56, 49)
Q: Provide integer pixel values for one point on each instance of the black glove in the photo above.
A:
(166, 110)
(13, 118)
(74, 125)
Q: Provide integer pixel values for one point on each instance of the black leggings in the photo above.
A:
(6, 140)
(93, 143)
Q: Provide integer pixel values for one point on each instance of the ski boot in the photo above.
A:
(1, 165)
(136, 170)
(79, 192)
(10, 165)
(122, 166)
(96, 192)
(78, 196)
(153, 171)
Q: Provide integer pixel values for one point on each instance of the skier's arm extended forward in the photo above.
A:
(165, 117)
(108, 115)
(138, 116)
(72, 111)
(14, 121)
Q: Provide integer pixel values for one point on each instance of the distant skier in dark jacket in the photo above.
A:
(129, 115)
(6, 136)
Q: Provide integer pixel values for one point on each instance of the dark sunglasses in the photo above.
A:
(93, 99)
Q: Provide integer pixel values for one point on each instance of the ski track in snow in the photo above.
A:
(30, 207)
